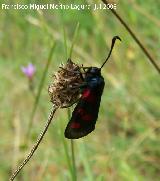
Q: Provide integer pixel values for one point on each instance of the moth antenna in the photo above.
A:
(112, 45)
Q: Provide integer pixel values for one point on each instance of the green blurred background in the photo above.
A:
(126, 142)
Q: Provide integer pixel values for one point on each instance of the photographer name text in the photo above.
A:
(93, 7)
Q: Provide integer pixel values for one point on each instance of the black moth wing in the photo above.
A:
(85, 114)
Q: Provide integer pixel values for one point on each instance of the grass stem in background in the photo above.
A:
(66, 150)
(65, 43)
(64, 36)
(40, 106)
(40, 90)
(135, 38)
(73, 161)
(74, 176)
(74, 173)
(74, 39)
(35, 146)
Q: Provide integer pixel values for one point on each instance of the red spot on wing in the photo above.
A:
(75, 125)
(81, 111)
(84, 115)
(88, 95)
(87, 117)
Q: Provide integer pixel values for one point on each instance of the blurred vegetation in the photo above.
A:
(125, 144)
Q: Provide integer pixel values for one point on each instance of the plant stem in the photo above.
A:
(35, 146)
(74, 175)
(74, 39)
(41, 107)
(73, 160)
(64, 35)
(135, 38)
(37, 97)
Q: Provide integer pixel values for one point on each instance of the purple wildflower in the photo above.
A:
(29, 70)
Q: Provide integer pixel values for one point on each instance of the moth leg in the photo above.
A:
(71, 71)
(76, 72)
(78, 86)
(84, 68)
(70, 104)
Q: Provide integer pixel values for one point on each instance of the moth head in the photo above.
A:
(94, 71)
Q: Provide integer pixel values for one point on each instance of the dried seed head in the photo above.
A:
(64, 91)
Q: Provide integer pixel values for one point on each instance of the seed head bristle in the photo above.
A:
(63, 91)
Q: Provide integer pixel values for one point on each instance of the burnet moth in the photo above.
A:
(85, 114)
